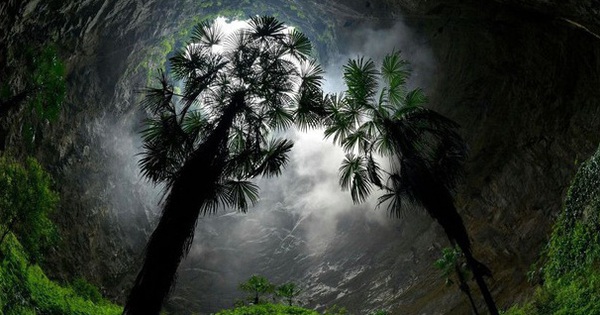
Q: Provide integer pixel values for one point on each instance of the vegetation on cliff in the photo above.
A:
(26, 199)
(568, 271)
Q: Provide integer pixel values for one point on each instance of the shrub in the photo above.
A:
(268, 309)
(26, 201)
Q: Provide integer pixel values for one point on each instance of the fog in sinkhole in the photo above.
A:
(303, 224)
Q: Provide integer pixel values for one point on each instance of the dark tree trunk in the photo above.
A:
(196, 182)
(476, 268)
(439, 203)
(464, 287)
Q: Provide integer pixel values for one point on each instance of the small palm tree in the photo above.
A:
(377, 115)
(257, 286)
(207, 143)
(288, 291)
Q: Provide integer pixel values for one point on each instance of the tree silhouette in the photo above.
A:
(257, 286)
(207, 143)
(377, 115)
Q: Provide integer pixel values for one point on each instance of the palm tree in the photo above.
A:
(288, 291)
(257, 286)
(207, 143)
(377, 115)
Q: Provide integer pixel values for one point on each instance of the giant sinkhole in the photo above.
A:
(520, 77)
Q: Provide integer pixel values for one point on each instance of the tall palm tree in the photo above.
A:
(208, 142)
(377, 115)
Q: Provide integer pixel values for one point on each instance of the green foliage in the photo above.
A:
(86, 290)
(257, 285)
(48, 76)
(336, 310)
(573, 246)
(288, 291)
(35, 88)
(379, 312)
(268, 309)
(26, 201)
(15, 296)
(575, 296)
(25, 289)
(571, 277)
(448, 264)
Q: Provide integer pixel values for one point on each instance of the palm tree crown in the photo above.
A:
(207, 142)
(378, 116)
(261, 74)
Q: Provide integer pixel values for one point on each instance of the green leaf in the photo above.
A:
(361, 79)
(354, 177)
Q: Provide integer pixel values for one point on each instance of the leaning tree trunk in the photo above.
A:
(196, 182)
(476, 268)
(439, 203)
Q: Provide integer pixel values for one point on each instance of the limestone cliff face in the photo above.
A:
(520, 76)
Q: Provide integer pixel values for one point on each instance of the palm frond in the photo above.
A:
(373, 170)
(218, 198)
(311, 74)
(207, 33)
(384, 145)
(310, 109)
(358, 139)
(361, 79)
(159, 100)
(297, 45)
(394, 71)
(415, 98)
(188, 61)
(241, 194)
(274, 157)
(280, 117)
(354, 177)
(339, 127)
(264, 27)
(196, 126)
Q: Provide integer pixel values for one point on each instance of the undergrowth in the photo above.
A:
(25, 289)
